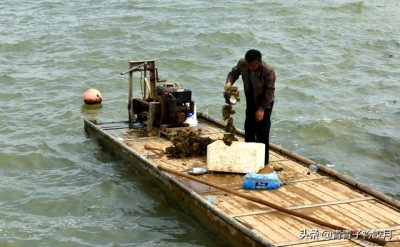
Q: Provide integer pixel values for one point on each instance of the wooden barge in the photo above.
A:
(322, 208)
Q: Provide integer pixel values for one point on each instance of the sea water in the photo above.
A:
(337, 102)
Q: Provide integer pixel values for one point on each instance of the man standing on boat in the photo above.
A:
(259, 88)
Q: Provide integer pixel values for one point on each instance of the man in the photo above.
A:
(259, 88)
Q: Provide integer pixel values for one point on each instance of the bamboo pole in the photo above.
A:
(271, 205)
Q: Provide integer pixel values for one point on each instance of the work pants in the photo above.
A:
(258, 131)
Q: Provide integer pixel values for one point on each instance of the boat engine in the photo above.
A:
(175, 104)
(166, 105)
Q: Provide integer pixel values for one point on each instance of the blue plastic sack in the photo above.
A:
(261, 181)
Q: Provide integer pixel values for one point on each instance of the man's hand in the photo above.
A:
(227, 92)
(259, 115)
(227, 87)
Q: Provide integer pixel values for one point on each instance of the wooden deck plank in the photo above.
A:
(269, 230)
(330, 243)
(275, 232)
(293, 223)
(267, 195)
(347, 190)
(388, 216)
(290, 232)
(371, 222)
(321, 238)
(275, 157)
(299, 194)
(324, 187)
(342, 216)
(311, 205)
(223, 203)
(281, 194)
(321, 190)
(386, 211)
(295, 195)
(294, 170)
(229, 203)
(310, 193)
(394, 237)
(245, 205)
(227, 180)
(336, 215)
(290, 229)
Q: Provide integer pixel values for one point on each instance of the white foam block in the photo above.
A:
(240, 157)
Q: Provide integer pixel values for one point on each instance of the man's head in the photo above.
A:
(253, 59)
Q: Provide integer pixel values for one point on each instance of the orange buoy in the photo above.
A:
(92, 96)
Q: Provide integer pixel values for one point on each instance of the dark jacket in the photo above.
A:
(263, 82)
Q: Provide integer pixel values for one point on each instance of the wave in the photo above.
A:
(355, 7)
(17, 46)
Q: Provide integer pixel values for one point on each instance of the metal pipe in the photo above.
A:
(152, 69)
(157, 78)
(133, 69)
(130, 81)
(144, 83)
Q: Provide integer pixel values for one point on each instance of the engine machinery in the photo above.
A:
(175, 103)
(166, 105)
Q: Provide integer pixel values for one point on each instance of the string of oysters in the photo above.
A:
(231, 96)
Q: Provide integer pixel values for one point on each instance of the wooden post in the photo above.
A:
(130, 81)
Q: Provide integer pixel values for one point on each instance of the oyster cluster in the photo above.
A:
(187, 143)
(231, 96)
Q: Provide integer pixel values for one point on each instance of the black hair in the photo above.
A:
(253, 55)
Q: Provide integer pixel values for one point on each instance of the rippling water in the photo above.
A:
(337, 93)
